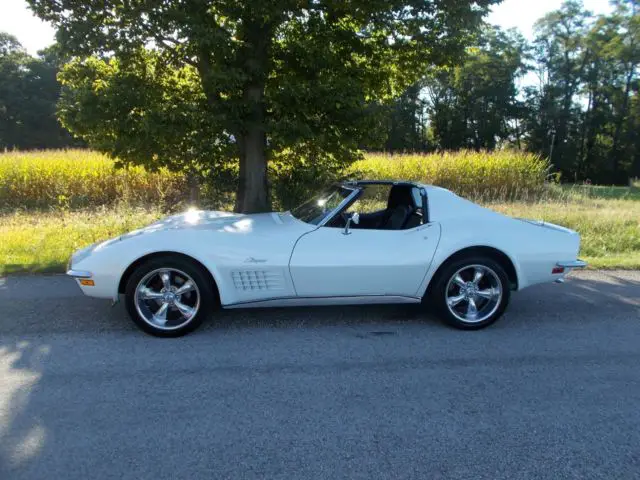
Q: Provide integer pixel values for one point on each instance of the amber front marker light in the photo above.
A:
(87, 282)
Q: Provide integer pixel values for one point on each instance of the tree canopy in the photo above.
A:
(290, 90)
(203, 81)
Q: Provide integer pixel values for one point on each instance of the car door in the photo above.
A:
(329, 263)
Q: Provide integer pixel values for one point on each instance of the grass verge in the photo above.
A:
(43, 242)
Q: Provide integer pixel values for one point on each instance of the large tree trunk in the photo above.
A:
(249, 130)
(252, 195)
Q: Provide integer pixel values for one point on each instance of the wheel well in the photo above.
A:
(131, 268)
(500, 257)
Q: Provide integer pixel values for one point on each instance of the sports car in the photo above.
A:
(360, 242)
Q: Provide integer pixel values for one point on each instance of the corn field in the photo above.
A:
(72, 179)
(481, 176)
(79, 179)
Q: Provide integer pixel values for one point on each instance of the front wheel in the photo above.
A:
(168, 296)
(471, 293)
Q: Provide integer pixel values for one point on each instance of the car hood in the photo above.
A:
(238, 231)
(213, 220)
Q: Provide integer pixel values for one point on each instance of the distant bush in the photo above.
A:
(81, 178)
(482, 176)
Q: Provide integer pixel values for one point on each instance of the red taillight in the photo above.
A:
(557, 270)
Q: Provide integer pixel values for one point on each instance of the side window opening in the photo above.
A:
(384, 207)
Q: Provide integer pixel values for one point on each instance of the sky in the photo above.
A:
(34, 34)
(522, 14)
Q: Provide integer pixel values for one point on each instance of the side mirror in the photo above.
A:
(354, 218)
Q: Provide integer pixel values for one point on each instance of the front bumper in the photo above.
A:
(79, 273)
(93, 283)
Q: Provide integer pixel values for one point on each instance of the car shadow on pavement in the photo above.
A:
(301, 317)
(41, 325)
(54, 304)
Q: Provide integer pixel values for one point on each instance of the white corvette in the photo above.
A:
(354, 243)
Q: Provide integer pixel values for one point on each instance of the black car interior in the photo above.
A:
(401, 213)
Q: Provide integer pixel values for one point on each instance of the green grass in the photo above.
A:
(599, 192)
(43, 242)
(610, 229)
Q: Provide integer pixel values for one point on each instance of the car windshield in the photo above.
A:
(315, 210)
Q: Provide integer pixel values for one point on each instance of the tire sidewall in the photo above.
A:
(438, 293)
(190, 268)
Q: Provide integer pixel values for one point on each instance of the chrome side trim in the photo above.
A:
(79, 274)
(320, 301)
(573, 264)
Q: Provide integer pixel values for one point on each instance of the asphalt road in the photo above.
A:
(551, 391)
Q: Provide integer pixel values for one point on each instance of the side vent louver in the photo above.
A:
(257, 280)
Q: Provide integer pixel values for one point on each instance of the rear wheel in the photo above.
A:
(168, 296)
(471, 293)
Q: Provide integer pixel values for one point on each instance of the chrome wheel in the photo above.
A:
(473, 293)
(167, 298)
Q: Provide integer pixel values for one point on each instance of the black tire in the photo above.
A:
(176, 265)
(444, 285)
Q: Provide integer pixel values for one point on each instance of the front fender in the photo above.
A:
(109, 260)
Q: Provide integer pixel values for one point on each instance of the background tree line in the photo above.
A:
(29, 93)
(242, 90)
(582, 110)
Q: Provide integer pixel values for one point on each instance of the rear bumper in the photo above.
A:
(572, 264)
